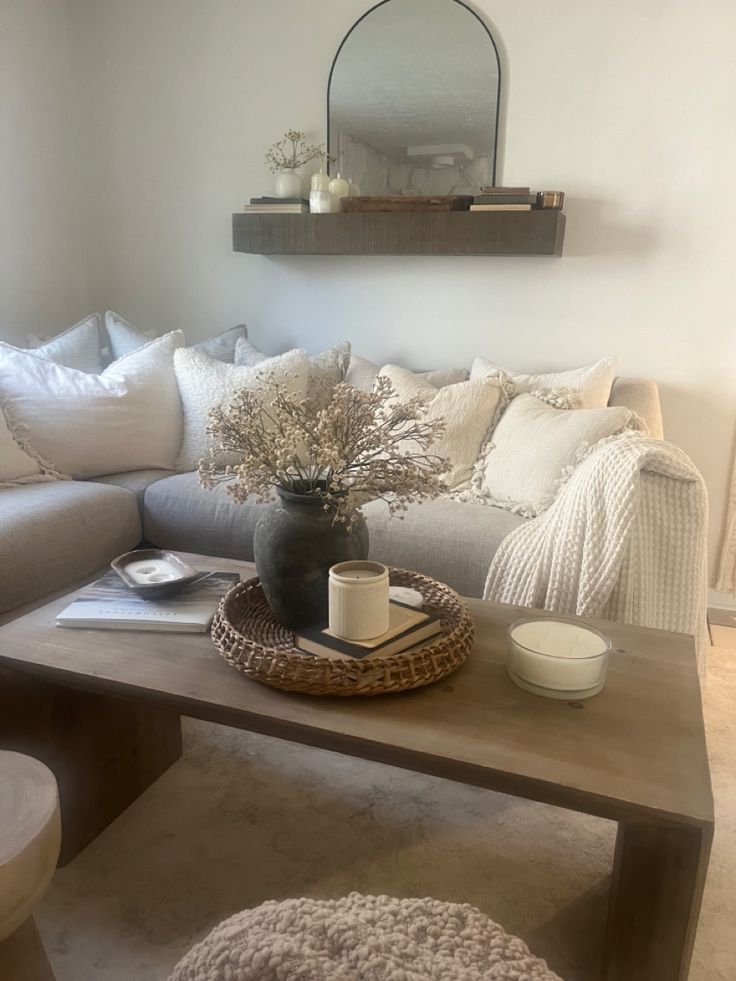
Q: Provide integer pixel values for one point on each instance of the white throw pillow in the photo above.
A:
(593, 381)
(78, 347)
(125, 338)
(533, 448)
(325, 370)
(205, 382)
(20, 464)
(127, 418)
(469, 410)
(362, 374)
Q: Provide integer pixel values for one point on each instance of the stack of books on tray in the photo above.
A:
(277, 206)
(408, 627)
(504, 199)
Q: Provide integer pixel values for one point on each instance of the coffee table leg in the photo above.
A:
(656, 890)
(104, 751)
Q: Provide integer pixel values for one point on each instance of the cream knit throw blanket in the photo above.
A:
(625, 539)
(360, 938)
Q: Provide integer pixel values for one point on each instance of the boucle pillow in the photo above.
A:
(205, 382)
(127, 418)
(469, 410)
(533, 448)
(125, 338)
(325, 370)
(360, 938)
(19, 463)
(593, 381)
(362, 374)
(78, 347)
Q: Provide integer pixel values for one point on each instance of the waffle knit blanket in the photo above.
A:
(625, 539)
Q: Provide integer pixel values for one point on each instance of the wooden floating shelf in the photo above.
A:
(406, 233)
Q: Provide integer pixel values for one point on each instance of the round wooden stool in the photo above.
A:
(30, 837)
(361, 937)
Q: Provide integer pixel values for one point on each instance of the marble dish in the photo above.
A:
(153, 573)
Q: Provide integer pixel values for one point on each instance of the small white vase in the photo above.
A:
(288, 184)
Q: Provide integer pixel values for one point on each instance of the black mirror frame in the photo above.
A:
(485, 27)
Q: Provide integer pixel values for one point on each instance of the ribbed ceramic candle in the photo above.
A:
(358, 598)
(557, 658)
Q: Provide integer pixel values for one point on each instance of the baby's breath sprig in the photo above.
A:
(362, 446)
(293, 151)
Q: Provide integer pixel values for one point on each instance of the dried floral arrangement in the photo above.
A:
(293, 151)
(363, 446)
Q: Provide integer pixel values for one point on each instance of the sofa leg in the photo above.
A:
(23, 956)
(104, 751)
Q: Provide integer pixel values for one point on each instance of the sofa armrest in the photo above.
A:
(641, 395)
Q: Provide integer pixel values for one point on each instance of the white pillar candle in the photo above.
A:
(339, 188)
(358, 600)
(558, 658)
(353, 190)
(320, 181)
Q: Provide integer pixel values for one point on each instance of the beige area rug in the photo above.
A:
(244, 818)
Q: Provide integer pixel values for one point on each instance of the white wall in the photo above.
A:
(628, 107)
(42, 280)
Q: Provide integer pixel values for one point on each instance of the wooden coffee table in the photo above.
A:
(102, 709)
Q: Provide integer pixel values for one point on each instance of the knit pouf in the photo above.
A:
(360, 938)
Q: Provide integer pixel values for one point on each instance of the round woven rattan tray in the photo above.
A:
(250, 638)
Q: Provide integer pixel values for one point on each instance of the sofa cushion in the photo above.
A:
(136, 481)
(78, 347)
(127, 418)
(468, 411)
(593, 381)
(125, 338)
(205, 382)
(53, 534)
(326, 370)
(449, 540)
(179, 513)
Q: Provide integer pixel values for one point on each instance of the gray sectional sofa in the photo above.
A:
(52, 534)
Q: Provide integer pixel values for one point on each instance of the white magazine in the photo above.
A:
(108, 604)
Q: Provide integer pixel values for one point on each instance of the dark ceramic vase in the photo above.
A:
(295, 543)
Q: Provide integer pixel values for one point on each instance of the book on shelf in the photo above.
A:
(491, 189)
(108, 604)
(280, 201)
(529, 199)
(500, 207)
(274, 209)
(407, 628)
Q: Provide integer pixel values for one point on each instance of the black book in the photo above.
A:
(279, 201)
(407, 628)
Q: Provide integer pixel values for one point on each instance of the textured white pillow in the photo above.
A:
(532, 448)
(20, 464)
(78, 347)
(205, 382)
(469, 410)
(362, 374)
(125, 338)
(593, 381)
(325, 370)
(127, 418)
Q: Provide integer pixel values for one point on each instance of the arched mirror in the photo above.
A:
(413, 97)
